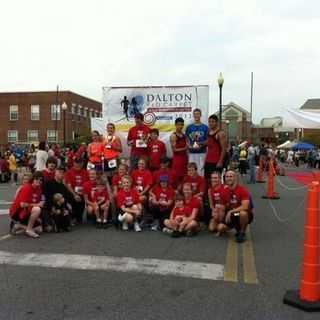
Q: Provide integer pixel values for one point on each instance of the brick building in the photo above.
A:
(30, 117)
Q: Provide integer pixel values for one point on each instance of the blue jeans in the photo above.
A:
(252, 170)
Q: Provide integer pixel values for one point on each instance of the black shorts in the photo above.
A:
(234, 220)
(209, 168)
(106, 167)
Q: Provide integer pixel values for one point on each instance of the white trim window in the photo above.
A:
(79, 110)
(55, 112)
(73, 108)
(85, 112)
(32, 135)
(35, 112)
(14, 113)
(52, 136)
(12, 136)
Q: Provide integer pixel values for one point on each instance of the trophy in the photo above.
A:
(195, 144)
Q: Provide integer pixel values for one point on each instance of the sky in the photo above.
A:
(84, 45)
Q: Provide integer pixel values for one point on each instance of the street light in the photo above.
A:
(220, 83)
(227, 123)
(64, 108)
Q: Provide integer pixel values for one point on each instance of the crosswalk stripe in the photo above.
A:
(186, 269)
(4, 212)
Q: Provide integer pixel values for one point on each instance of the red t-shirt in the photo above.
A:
(141, 179)
(69, 158)
(213, 148)
(193, 203)
(198, 183)
(219, 195)
(101, 195)
(76, 178)
(236, 196)
(95, 152)
(135, 134)
(185, 211)
(164, 194)
(89, 189)
(80, 152)
(127, 198)
(164, 172)
(48, 175)
(156, 150)
(28, 194)
(116, 181)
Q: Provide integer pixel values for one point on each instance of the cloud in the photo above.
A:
(84, 45)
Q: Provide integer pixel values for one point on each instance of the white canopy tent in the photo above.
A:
(297, 118)
(286, 145)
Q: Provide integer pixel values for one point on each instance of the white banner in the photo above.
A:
(159, 105)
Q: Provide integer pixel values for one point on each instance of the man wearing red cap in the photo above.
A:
(138, 137)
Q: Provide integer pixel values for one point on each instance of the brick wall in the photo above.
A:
(24, 100)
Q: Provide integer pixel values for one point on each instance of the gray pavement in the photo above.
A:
(31, 292)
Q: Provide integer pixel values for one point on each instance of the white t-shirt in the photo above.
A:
(41, 159)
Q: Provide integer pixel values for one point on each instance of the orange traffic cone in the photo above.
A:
(308, 297)
(271, 194)
(259, 177)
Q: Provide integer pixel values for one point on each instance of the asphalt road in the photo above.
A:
(257, 273)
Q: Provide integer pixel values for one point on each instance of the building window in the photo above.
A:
(79, 110)
(85, 112)
(32, 136)
(92, 113)
(35, 112)
(14, 113)
(52, 136)
(55, 112)
(12, 136)
(73, 109)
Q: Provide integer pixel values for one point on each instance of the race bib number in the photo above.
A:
(140, 143)
(112, 163)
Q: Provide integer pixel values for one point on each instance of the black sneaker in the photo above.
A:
(175, 234)
(241, 237)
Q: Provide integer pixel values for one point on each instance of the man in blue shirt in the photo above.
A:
(196, 134)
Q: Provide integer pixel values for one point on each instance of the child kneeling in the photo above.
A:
(129, 206)
(181, 220)
(60, 213)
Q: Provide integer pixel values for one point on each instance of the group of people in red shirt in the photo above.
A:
(111, 190)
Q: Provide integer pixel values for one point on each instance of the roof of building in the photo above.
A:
(47, 92)
(311, 104)
(271, 122)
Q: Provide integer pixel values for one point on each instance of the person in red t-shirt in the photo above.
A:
(101, 204)
(89, 188)
(192, 227)
(129, 206)
(156, 150)
(217, 195)
(26, 208)
(74, 180)
(95, 152)
(179, 218)
(69, 155)
(197, 182)
(138, 137)
(49, 172)
(142, 179)
(239, 208)
(165, 171)
(161, 200)
(116, 179)
(180, 150)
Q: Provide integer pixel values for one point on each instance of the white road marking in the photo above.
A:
(5, 202)
(4, 211)
(186, 269)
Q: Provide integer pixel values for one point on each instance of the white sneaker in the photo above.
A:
(125, 226)
(136, 227)
(121, 217)
(167, 230)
